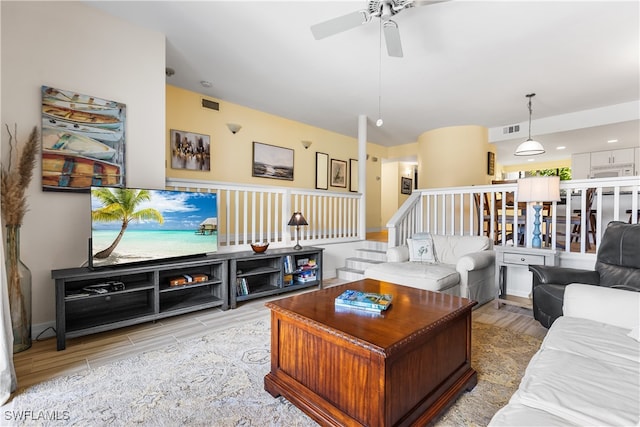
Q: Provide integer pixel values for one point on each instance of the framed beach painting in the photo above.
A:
(83, 141)
(190, 150)
(270, 161)
(338, 173)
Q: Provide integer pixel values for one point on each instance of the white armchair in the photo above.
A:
(462, 265)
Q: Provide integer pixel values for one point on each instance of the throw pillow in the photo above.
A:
(421, 248)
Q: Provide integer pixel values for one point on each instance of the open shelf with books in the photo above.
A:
(199, 285)
(253, 275)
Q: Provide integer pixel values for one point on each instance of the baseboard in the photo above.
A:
(43, 330)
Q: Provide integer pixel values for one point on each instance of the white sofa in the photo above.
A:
(587, 371)
(463, 266)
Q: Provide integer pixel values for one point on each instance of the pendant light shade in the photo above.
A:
(530, 147)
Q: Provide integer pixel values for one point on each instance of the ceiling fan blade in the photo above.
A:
(339, 24)
(392, 39)
(415, 3)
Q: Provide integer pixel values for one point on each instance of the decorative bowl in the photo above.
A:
(259, 247)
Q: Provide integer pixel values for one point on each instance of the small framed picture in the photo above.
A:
(271, 161)
(353, 175)
(338, 173)
(190, 150)
(491, 162)
(322, 171)
(406, 185)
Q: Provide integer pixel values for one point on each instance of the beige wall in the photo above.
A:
(69, 45)
(231, 154)
(393, 172)
(375, 220)
(453, 156)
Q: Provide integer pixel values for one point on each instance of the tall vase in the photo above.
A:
(19, 283)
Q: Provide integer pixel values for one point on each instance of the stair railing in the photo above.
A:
(478, 210)
(254, 213)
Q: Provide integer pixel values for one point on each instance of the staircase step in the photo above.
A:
(350, 274)
(375, 245)
(360, 263)
(372, 254)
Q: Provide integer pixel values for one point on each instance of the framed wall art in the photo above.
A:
(190, 150)
(83, 141)
(353, 175)
(406, 185)
(491, 162)
(270, 161)
(322, 171)
(338, 173)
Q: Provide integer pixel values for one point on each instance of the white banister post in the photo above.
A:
(362, 174)
(287, 211)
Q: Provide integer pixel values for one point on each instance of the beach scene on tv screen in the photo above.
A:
(135, 225)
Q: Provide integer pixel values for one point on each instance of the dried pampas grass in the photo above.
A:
(15, 179)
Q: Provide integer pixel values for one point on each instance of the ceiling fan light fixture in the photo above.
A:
(530, 147)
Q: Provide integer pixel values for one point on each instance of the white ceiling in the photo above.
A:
(465, 63)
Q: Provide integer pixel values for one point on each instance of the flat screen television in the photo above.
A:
(133, 225)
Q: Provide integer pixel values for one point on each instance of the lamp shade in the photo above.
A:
(539, 189)
(297, 219)
(530, 147)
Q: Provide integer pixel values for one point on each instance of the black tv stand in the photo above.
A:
(217, 280)
(147, 294)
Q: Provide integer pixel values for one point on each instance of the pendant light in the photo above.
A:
(530, 147)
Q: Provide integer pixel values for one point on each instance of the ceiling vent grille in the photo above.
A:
(211, 105)
(510, 129)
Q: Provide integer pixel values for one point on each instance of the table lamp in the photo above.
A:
(297, 219)
(538, 189)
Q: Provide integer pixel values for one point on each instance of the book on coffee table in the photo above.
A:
(364, 300)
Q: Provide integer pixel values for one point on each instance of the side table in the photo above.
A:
(518, 257)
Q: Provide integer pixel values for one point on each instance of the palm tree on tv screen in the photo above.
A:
(119, 204)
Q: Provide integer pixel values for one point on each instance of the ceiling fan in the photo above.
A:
(383, 9)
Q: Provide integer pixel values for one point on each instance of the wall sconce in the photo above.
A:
(306, 144)
(234, 128)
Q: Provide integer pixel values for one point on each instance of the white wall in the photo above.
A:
(72, 46)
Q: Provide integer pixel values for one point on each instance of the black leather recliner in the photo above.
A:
(617, 266)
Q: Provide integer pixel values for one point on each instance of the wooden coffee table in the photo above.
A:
(345, 366)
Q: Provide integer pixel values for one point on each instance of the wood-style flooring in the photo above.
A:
(42, 362)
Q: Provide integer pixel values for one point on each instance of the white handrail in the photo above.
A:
(472, 211)
(254, 213)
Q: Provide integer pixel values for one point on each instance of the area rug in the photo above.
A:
(217, 380)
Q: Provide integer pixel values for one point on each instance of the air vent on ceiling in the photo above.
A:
(510, 129)
(212, 105)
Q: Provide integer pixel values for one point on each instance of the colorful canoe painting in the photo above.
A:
(102, 134)
(76, 101)
(81, 117)
(83, 141)
(68, 172)
(70, 143)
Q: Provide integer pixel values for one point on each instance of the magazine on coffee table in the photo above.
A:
(364, 300)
